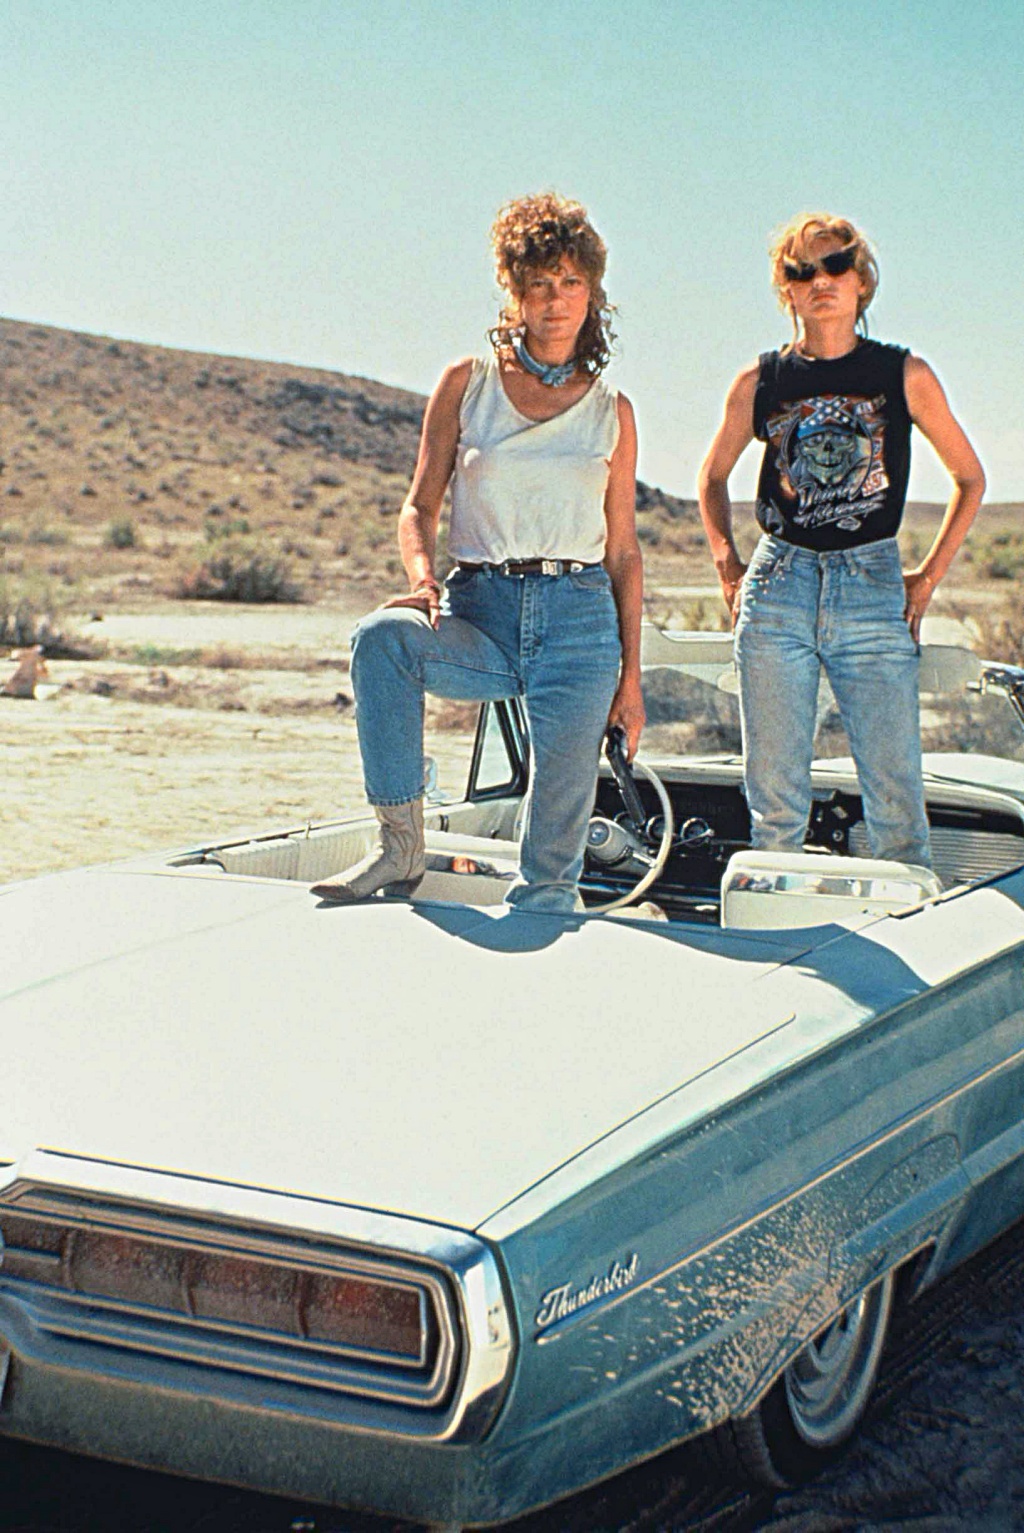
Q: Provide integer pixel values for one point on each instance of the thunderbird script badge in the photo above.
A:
(565, 1300)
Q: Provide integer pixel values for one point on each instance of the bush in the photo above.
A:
(29, 615)
(998, 631)
(47, 537)
(240, 572)
(215, 531)
(1001, 556)
(121, 534)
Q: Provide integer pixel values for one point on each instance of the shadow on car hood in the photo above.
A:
(427, 1060)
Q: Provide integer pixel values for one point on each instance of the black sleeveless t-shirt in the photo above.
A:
(837, 446)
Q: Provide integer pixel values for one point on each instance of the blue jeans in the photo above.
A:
(800, 612)
(552, 640)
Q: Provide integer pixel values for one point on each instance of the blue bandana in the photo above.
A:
(555, 376)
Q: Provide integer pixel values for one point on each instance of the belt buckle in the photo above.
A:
(551, 566)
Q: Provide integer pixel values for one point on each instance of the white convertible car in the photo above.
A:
(438, 1210)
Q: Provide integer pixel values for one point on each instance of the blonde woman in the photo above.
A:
(544, 602)
(825, 588)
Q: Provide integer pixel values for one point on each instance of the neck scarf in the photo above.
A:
(555, 374)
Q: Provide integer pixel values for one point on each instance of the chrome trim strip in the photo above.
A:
(44, 1261)
(260, 1356)
(79, 1315)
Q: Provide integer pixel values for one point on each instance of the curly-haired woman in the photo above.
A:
(825, 589)
(544, 601)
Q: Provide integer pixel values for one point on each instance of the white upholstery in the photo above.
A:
(305, 857)
(781, 889)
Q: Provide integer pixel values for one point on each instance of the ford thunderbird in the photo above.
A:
(442, 1210)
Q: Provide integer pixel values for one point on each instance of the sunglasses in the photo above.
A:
(834, 265)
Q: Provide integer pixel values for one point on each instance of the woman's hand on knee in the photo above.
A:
(425, 599)
(628, 710)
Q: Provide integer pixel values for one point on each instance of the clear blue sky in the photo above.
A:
(313, 181)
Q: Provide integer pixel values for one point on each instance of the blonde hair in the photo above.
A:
(795, 243)
(534, 233)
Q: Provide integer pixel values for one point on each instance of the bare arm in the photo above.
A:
(930, 412)
(733, 435)
(625, 569)
(421, 510)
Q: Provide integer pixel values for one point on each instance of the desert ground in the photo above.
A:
(232, 720)
(191, 539)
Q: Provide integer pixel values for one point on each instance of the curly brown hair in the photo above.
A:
(796, 243)
(534, 233)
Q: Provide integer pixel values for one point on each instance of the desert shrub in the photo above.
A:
(120, 534)
(48, 537)
(30, 614)
(161, 654)
(997, 631)
(1000, 557)
(215, 531)
(240, 571)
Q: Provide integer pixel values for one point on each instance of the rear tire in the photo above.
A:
(818, 1402)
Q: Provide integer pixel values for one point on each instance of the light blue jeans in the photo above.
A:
(552, 640)
(800, 612)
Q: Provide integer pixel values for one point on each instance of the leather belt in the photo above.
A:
(532, 567)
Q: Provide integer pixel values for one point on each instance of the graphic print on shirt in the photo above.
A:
(829, 451)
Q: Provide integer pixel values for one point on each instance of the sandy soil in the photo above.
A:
(946, 1455)
(242, 720)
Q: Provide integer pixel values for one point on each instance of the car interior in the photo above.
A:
(672, 841)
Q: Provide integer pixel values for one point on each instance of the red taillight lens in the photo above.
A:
(240, 1291)
(349, 1312)
(337, 1311)
(122, 1267)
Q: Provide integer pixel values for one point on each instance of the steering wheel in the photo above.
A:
(634, 811)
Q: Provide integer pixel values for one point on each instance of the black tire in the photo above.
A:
(820, 1399)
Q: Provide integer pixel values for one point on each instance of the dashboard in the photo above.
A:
(974, 834)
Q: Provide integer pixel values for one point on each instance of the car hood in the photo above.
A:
(429, 1060)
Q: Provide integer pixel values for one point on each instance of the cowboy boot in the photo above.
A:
(396, 865)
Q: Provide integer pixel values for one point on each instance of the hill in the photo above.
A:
(126, 467)
(122, 463)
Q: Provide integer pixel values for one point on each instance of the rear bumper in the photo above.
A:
(241, 1432)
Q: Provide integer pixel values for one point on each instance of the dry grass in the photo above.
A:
(996, 628)
(121, 461)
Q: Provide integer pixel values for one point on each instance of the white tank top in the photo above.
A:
(525, 489)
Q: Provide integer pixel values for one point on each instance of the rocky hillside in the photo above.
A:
(125, 464)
